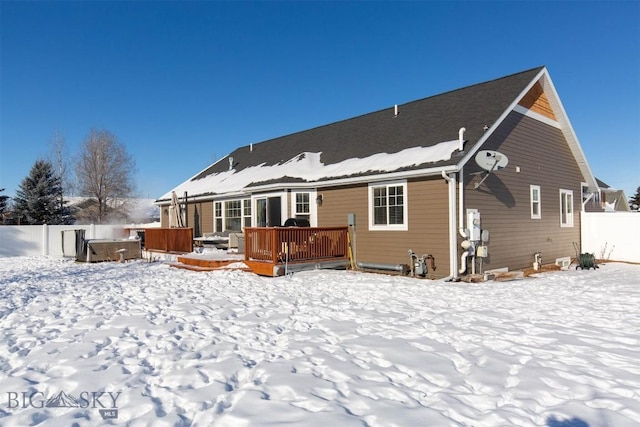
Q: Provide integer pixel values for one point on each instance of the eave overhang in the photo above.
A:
(563, 121)
(280, 186)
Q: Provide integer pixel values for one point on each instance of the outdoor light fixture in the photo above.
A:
(319, 200)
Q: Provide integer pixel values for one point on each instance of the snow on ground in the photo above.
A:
(143, 344)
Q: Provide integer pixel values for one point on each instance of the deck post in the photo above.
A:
(274, 245)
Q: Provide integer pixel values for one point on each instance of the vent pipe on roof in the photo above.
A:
(395, 110)
(461, 137)
(230, 163)
(251, 147)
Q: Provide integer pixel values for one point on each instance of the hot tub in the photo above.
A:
(94, 250)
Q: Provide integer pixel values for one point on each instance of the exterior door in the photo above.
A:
(269, 212)
(261, 212)
(274, 215)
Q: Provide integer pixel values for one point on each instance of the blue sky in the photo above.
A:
(184, 83)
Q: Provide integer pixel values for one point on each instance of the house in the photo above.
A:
(85, 210)
(606, 199)
(413, 176)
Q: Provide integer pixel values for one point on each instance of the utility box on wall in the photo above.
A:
(482, 251)
(473, 225)
(351, 220)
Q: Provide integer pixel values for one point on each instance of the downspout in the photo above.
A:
(461, 229)
(463, 234)
(463, 258)
(453, 241)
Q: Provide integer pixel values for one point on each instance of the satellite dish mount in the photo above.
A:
(491, 161)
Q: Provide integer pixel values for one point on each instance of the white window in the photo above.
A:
(566, 208)
(246, 212)
(302, 206)
(536, 212)
(218, 216)
(232, 215)
(388, 206)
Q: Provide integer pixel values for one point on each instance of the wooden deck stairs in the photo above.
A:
(200, 264)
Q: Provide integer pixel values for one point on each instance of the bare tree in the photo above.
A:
(104, 171)
(58, 159)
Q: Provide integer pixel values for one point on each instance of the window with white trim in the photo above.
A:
(232, 215)
(388, 206)
(566, 208)
(218, 216)
(302, 206)
(246, 212)
(534, 191)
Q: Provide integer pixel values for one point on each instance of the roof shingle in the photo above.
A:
(422, 123)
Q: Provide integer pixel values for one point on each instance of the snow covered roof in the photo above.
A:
(308, 167)
(422, 136)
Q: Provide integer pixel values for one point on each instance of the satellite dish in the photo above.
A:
(490, 161)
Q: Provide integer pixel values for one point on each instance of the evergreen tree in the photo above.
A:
(37, 198)
(635, 200)
(3, 205)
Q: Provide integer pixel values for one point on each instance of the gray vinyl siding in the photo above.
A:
(544, 159)
(164, 216)
(427, 223)
(200, 217)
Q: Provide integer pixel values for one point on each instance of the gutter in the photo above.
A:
(246, 191)
(207, 197)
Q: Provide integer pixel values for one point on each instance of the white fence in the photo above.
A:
(31, 240)
(612, 235)
(608, 235)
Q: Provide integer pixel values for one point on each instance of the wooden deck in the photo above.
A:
(272, 251)
(275, 251)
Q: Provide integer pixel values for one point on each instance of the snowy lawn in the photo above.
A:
(144, 344)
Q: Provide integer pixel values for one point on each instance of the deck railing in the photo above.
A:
(168, 239)
(295, 244)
